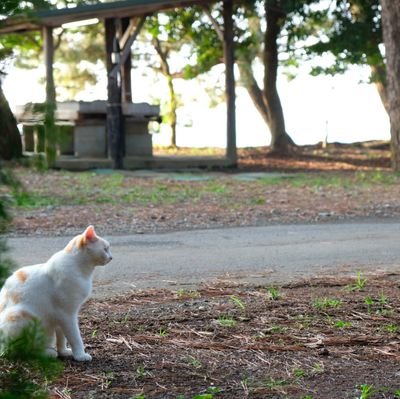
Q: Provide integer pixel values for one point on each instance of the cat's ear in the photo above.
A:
(89, 233)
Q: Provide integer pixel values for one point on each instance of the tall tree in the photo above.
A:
(167, 44)
(350, 31)
(10, 139)
(391, 34)
(259, 30)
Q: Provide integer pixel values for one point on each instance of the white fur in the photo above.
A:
(53, 293)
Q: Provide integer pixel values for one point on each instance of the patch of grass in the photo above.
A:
(257, 201)
(275, 384)
(391, 328)
(298, 373)
(226, 321)
(24, 199)
(318, 368)
(184, 293)
(277, 329)
(316, 181)
(326, 303)
(274, 293)
(192, 361)
(341, 324)
(209, 394)
(376, 177)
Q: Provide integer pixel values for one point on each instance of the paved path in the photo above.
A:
(272, 254)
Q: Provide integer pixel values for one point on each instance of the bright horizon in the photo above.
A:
(339, 106)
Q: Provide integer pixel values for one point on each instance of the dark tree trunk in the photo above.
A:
(275, 18)
(378, 76)
(267, 100)
(10, 139)
(391, 34)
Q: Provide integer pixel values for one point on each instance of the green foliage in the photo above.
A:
(350, 31)
(25, 370)
(9, 186)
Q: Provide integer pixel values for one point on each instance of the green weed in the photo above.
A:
(342, 324)
(369, 302)
(238, 302)
(183, 293)
(274, 293)
(162, 332)
(359, 284)
(368, 390)
(141, 371)
(326, 303)
(209, 394)
(298, 373)
(194, 362)
(274, 384)
(226, 321)
(392, 328)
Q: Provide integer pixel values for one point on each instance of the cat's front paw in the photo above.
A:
(82, 357)
(66, 352)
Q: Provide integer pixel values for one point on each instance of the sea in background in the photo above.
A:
(342, 108)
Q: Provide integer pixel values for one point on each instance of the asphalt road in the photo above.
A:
(265, 255)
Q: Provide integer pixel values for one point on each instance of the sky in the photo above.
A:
(340, 107)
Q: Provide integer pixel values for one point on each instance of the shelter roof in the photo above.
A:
(100, 10)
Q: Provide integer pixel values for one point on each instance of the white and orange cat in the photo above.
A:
(53, 293)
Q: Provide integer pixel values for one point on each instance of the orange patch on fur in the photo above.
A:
(15, 297)
(21, 275)
(16, 316)
(70, 246)
(2, 307)
(78, 242)
(81, 241)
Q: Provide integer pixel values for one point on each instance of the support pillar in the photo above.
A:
(126, 70)
(114, 125)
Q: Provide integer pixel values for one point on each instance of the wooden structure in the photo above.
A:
(123, 21)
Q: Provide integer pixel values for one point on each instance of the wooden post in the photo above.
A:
(126, 70)
(50, 106)
(115, 132)
(229, 58)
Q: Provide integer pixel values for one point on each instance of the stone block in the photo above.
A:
(90, 139)
(138, 141)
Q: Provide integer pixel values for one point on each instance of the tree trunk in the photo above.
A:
(10, 139)
(173, 103)
(391, 34)
(275, 18)
(378, 76)
(250, 84)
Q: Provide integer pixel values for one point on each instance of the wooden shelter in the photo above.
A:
(123, 21)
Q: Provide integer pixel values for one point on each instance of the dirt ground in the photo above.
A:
(327, 338)
(69, 202)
